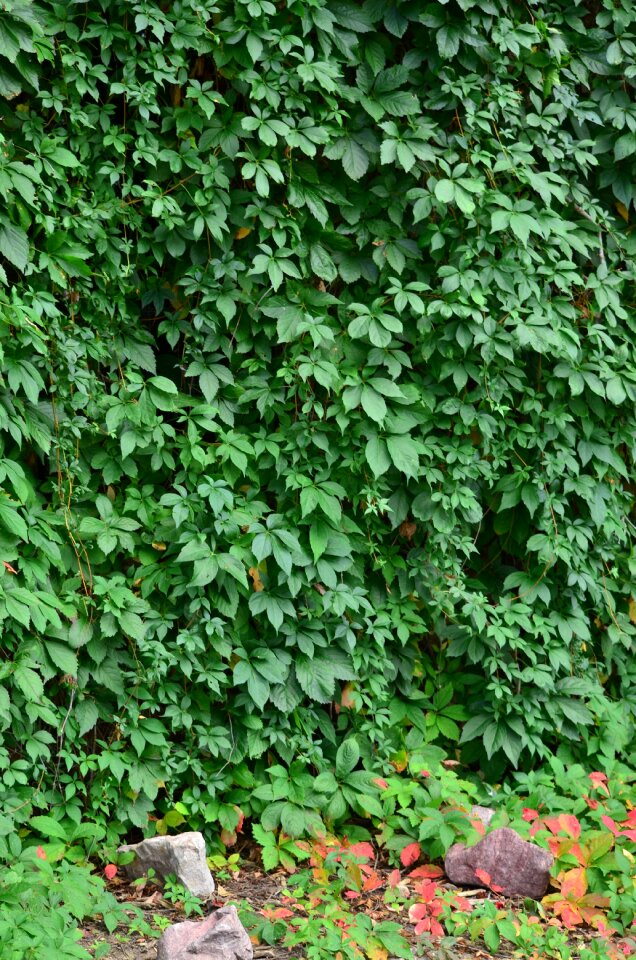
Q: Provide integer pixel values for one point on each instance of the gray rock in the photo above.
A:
(485, 814)
(520, 868)
(221, 936)
(183, 855)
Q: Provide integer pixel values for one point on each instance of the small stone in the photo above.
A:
(485, 814)
(221, 936)
(182, 855)
(520, 868)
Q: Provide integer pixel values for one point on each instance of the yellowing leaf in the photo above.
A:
(242, 232)
(157, 545)
(574, 883)
(623, 211)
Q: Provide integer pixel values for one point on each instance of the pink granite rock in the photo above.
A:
(221, 936)
(520, 868)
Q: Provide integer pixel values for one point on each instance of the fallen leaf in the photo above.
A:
(362, 849)
(410, 854)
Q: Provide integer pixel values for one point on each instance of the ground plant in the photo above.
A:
(317, 428)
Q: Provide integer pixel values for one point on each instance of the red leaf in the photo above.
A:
(597, 777)
(352, 894)
(394, 878)
(427, 871)
(528, 814)
(410, 854)
(418, 911)
(9, 567)
(41, 853)
(110, 871)
(610, 824)
(362, 850)
(428, 891)
(484, 876)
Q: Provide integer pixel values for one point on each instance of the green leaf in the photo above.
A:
(316, 678)
(319, 533)
(373, 403)
(49, 828)
(132, 624)
(347, 757)
(14, 245)
(355, 160)
(11, 519)
(233, 566)
(29, 682)
(164, 385)
(377, 455)
(445, 191)
(62, 656)
(404, 454)
(292, 820)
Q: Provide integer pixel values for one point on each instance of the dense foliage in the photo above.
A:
(317, 402)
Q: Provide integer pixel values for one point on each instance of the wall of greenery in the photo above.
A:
(317, 408)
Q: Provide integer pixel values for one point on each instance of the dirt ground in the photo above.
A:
(258, 889)
(251, 885)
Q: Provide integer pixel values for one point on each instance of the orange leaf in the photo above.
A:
(574, 883)
(256, 579)
(570, 915)
(484, 876)
(400, 760)
(410, 854)
(372, 882)
(242, 232)
(564, 823)
(9, 567)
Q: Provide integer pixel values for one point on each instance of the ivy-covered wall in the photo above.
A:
(317, 406)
